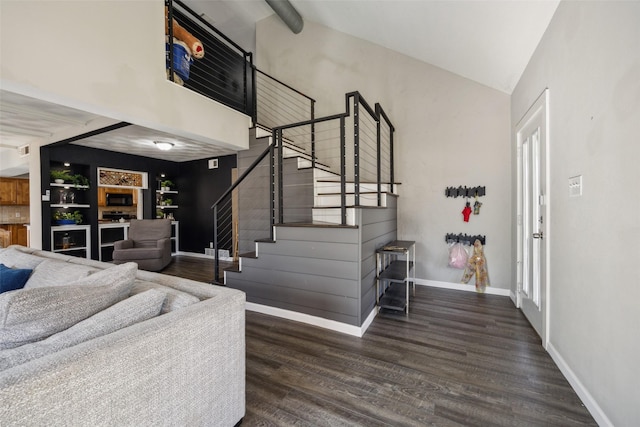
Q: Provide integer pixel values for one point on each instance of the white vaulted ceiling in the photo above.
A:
(488, 41)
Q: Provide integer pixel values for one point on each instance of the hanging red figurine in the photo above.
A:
(466, 212)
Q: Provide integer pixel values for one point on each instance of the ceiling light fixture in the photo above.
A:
(163, 145)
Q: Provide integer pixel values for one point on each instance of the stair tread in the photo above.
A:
(349, 207)
(320, 224)
(351, 193)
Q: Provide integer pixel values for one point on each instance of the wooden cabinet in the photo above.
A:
(14, 191)
(18, 233)
(102, 194)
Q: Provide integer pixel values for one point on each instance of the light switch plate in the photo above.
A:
(575, 186)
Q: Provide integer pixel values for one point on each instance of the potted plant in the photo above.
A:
(61, 176)
(167, 202)
(67, 218)
(80, 180)
(166, 185)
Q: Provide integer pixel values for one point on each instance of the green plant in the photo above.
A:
(64, 175)
(168, 202)
(167, 183)
(76, 216)
(80, 180)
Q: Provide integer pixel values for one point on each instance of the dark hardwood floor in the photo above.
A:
(458, 359)
(195, 268)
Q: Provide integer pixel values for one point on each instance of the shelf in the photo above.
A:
(396, 271)
(73, 248)
(167, 207)
(167, 191)
(79, 187)
(394, 298)
(395, 263)
(69, 205)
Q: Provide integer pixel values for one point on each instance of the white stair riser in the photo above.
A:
(334, 187)
(365, 200)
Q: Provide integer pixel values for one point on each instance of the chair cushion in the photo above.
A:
(28, 315)
(137, 253)
(132, 310)
(13, 278)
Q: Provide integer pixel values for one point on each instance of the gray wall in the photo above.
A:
(589, 58)
(451, 131)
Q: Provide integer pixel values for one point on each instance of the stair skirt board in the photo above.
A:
(357, 331)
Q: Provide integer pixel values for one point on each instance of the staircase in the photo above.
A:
(309, 222)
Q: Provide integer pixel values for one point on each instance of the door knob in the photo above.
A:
(538, 235)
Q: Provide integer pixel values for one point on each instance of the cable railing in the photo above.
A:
(321, 163)
(278, 103)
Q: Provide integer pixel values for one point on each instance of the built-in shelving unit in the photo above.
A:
(166, 200)
(72, 240)
(69, 197)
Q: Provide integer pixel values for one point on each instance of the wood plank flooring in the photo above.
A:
(458, 359)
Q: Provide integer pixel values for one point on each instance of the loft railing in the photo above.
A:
(354, 148)
(225, 73)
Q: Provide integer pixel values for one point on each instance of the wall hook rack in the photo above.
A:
(464, 238)
(465, 191)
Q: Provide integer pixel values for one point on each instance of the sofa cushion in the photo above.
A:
(13, 278)
(11, 257)
(28, 315)
(137, 308)
(57, 273)
(175, 299)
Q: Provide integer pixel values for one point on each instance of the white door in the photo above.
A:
(531, 136)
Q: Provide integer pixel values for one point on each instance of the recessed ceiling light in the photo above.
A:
(163, 145)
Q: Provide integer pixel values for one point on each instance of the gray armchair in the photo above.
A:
(148, 244)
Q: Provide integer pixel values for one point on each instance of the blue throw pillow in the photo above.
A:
(13, 278)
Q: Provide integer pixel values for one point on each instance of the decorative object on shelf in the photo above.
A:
(465, 191)
(61, 176)
(117, 178)
(67, 218)
(65, 177)
(477, 266)
(167, 202)
(166, 185)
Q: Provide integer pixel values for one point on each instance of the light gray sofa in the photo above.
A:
(183, 367)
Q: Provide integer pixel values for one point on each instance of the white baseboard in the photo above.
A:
(462, 287)
(199, 255)
(314, 320)
(589, 402)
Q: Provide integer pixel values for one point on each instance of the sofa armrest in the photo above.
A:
(164, 244)
(123, 244)
(186, 367)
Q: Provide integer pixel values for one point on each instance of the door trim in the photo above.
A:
(540, 106)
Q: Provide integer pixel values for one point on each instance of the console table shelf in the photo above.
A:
(395, 272)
